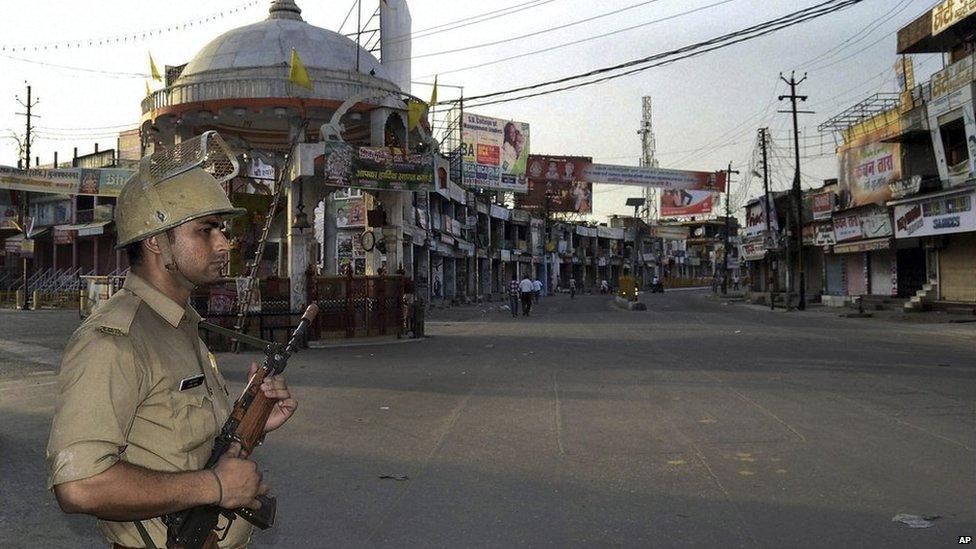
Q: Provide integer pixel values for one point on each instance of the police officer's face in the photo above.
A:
(201, 249)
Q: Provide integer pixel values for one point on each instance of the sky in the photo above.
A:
(707, 109)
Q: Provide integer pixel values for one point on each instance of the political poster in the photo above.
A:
(350, 213)
(554, 185)
(494, 153)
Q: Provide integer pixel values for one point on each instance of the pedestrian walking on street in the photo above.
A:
(537, 289)
(527, 289)
(140, 398)
(513, 295)
(572, 288)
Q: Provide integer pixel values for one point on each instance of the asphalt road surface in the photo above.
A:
(695, 423)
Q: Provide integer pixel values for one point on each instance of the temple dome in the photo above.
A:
(268, 44)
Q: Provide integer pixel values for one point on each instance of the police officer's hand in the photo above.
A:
(274, 387)
(240, 480)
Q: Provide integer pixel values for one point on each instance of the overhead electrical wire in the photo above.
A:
(579, 41)
(468, 21)
(667, 57)
(860, 36)
(533, 34)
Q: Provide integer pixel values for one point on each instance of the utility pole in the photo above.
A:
(797, 202)
(728, 216)
(23, 194)
(359, 29)
(773, 279)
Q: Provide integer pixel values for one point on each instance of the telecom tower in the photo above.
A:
(646, 132)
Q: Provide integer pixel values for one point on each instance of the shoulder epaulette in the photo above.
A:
(115, 316)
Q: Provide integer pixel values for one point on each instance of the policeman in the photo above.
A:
(140, 398)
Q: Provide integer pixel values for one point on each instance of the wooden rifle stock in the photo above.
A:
(196, 528)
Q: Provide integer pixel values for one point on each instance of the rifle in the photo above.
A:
(196, 528)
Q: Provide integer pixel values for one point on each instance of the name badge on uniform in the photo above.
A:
(191, 382)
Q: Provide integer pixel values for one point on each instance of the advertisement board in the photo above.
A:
(943, 215)
(869, 165)
(875, 225)
(654, 177)
(756, 218)
(554, 184)
(494, 153)
(680, 202)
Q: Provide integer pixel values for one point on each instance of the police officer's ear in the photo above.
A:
(152, 244)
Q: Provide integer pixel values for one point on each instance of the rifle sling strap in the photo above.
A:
(144, 534)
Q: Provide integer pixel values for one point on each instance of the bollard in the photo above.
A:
(21, 302)
(35, 300)
(418, 319)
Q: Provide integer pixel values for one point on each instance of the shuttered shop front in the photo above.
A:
(957, 268)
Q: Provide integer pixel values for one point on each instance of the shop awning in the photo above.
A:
(86, 229)
(863, 246)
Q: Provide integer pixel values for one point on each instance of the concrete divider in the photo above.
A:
(629, 305)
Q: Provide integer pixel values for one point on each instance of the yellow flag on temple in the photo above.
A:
(415, 111)
(298, 75)
(153, 71)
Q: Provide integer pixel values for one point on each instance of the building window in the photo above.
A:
(954, 143)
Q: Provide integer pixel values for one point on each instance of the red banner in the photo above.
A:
(682, 202)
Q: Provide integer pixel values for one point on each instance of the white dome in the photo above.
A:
(269, 43)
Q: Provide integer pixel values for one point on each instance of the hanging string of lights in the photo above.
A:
(126, 38)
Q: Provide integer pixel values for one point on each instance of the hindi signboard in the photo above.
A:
(654, 177)
(847, 227)
(86, 181)
(372, 168)
(868, 165)
(823, 205)
(949, 12)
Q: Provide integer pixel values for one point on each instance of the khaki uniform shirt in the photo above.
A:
(119, 399)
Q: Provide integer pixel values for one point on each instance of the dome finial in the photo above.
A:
(285, 9)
